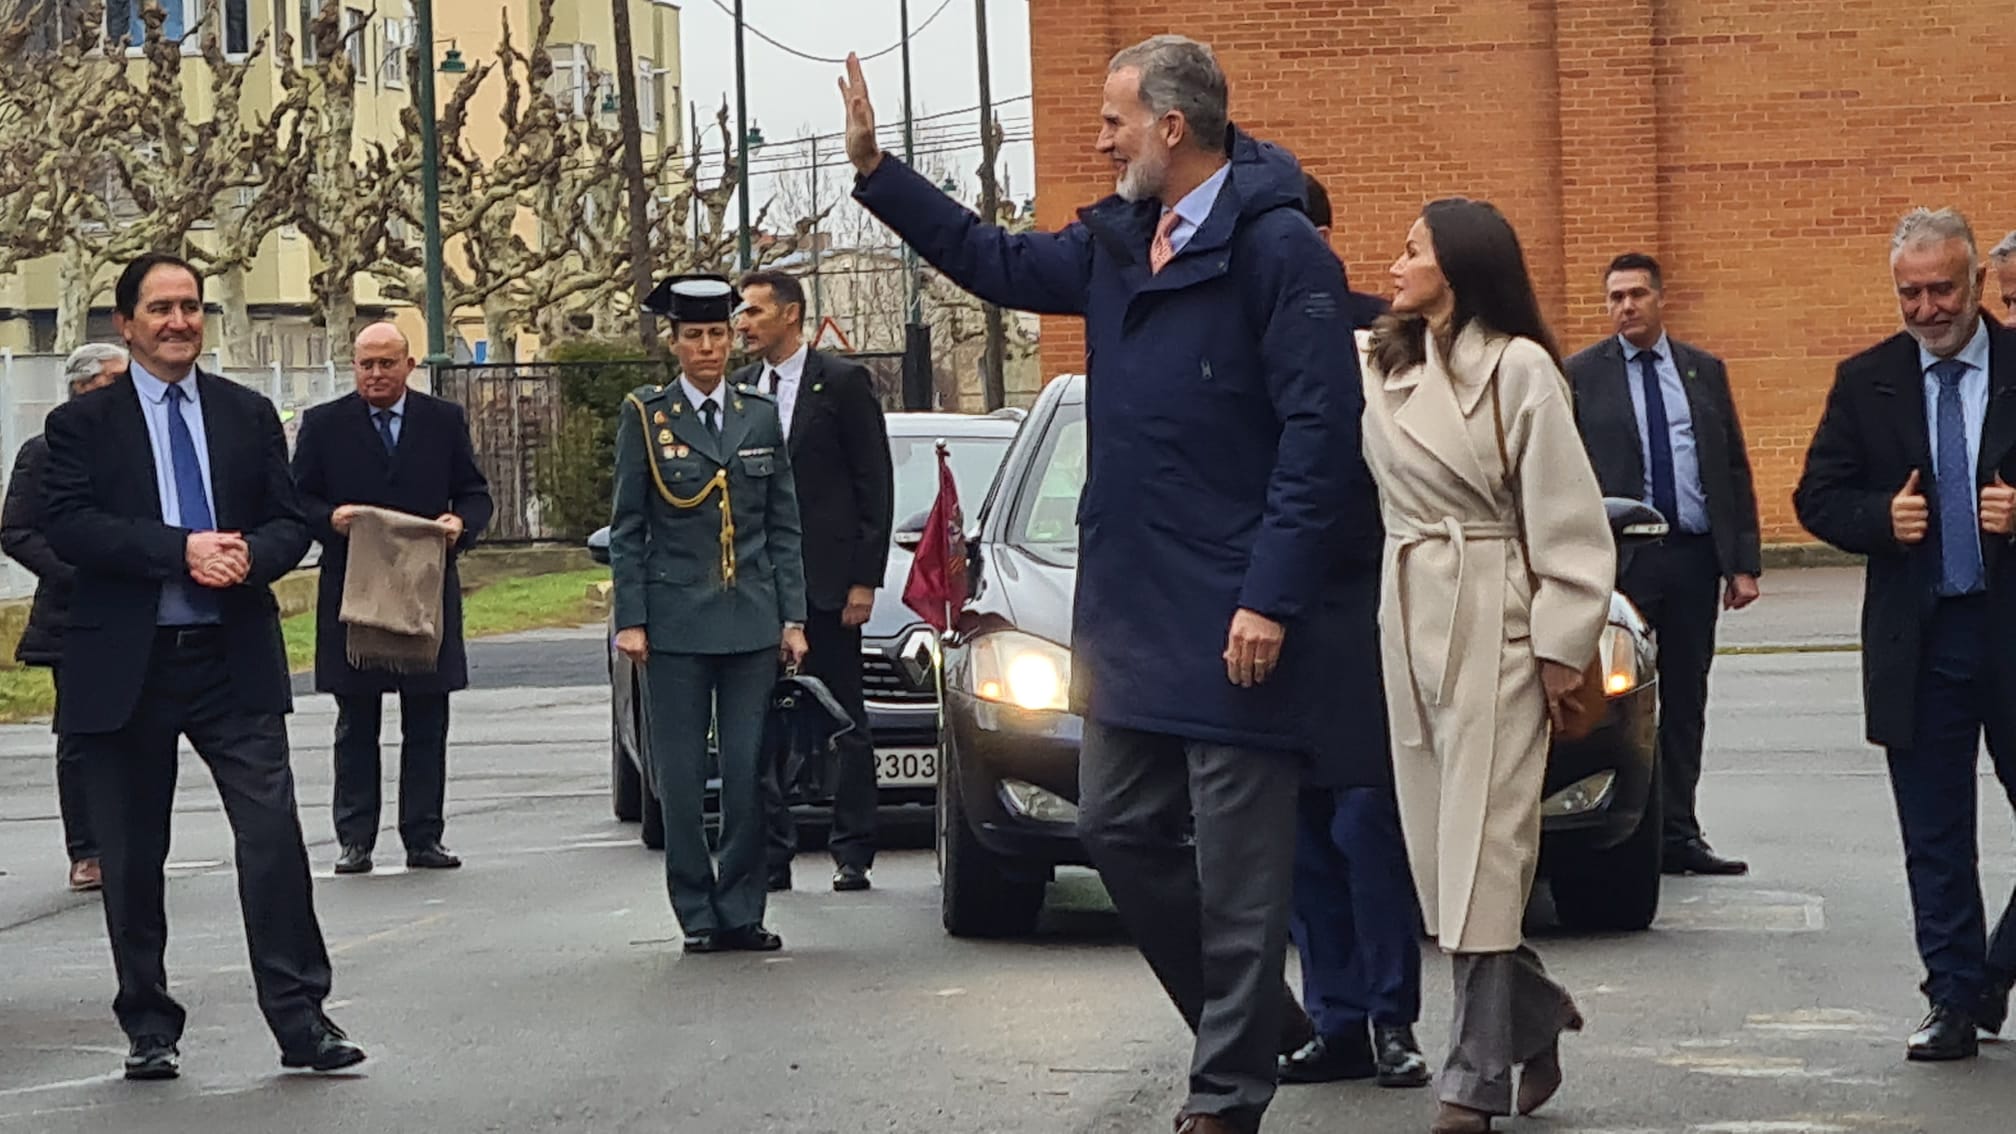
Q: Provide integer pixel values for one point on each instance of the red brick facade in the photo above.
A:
(1762, 149)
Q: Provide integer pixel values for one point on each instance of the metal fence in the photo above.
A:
(32, 384)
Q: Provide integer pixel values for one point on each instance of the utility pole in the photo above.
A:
(994, 368)
(633, 170)
(909, 159)
(430, 185)
(818, 250)
(742, 141)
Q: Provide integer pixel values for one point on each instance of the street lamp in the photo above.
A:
(430, 179)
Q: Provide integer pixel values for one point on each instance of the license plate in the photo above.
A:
(906, 767)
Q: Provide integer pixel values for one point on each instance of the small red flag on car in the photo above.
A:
(936, 588)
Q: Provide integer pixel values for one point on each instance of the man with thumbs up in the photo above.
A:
(1909, 468)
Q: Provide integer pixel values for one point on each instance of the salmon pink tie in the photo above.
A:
(1161, 251)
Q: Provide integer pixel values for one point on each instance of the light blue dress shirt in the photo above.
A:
(1973, 404)
(1687, 487)
(175, 609)
(1195, 208)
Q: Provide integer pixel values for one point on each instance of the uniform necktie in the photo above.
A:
(1162, 251)
(1953, 477)
(190, 496)
(709, 417)
(1659, 441)
(384, 417)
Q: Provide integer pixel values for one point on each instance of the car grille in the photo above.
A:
(883, 679)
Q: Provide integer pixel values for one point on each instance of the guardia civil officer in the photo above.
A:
(709, 593)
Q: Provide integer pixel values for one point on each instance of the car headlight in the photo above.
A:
(1618, 651)
(1019, 669)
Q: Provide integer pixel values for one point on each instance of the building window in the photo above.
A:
(398, 37)
(647, 95)
(309, 10)
(128, 18)
(353, 41)
(573, 82)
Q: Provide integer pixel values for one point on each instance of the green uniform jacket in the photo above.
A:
(701, 578)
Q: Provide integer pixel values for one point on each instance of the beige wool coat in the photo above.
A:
(1463, 630)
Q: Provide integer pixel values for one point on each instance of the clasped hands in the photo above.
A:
(218, 559)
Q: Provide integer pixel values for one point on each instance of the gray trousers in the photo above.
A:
(1508, 1010)
(1210, 915)
(688, 691)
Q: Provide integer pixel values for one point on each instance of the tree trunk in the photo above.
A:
(234, 337)
(500, 327)
(339, 311)
(73, 294)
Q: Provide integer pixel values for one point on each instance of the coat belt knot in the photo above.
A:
(1458, 534)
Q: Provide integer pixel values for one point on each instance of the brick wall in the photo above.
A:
(1762, 149)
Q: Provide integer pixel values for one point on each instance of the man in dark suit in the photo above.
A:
(1909, 468)
(1660, 425)
(840, 459)
(89, 367)
(389, 447)
(1356, 921)
(169, 493)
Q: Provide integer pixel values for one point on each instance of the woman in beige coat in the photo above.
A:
(1480, 650)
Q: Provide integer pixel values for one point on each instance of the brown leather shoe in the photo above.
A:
(1539, 1078)
(1454, 1119)
(85, 875)
(1204, 1124)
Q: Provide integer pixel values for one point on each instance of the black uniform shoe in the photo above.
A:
(704, 943)
(1946, 1034)
(324, 1049)
(780, 879)
(1329, 1059)
(750, 939)
(1401, 1063)
(433, 856)
(1695, 856)
(354, 860)
(849, 879)
(1993, 1008)
(153, 1057)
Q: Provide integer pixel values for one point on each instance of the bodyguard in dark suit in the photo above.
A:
(169, 492)
(390, 447)
(709, 593)
(89, 367)
(1223, 403)
(1356, 920)
(1660, 425)
(840, 462)
(1909, 468)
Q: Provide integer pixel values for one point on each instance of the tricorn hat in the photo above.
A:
(703, 298)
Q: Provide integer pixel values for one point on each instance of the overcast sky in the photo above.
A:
(789, 96)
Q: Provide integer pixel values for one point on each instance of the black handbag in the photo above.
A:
(799, 733)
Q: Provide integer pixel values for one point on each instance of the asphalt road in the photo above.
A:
(540, 988)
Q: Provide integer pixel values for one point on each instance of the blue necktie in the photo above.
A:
(1953, 476)
(1659, 442)
(384, 417)
(189, 494)
(708, 410)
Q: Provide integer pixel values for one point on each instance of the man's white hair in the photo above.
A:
(2001, 253)
(86, 361)
(1922, 226)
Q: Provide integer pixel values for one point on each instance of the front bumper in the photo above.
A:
(1619, 756)
(988, 744)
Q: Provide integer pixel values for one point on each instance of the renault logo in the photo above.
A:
(917, 658)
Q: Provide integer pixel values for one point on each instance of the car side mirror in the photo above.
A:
(598, 547)
(1633, 524)
(910, 532)
(973, 561)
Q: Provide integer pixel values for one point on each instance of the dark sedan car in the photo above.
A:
(898, 656)
(1007, 805)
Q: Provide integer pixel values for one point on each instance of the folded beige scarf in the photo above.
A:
(392, 591)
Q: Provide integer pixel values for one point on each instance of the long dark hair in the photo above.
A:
(1479, 255)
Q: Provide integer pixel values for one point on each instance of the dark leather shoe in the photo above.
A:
(1297, 1029)
(1205, 1124)
(354, 860)
(1398, 1056)
(704, 943)
(1695, 856)
(849, 879)
(780, 879)
(327, 1049)
(153, 1057)
(1453, 1119)
(433, 856)
(750, 939)
(1328, 1059)
(1946, 1034)
(1539, 1080)
(1992, 1010)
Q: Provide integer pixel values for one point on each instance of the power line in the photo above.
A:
(789, 50)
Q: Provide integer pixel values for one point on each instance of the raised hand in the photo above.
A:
(1909, 516)
(862, 149)
(1998, 508)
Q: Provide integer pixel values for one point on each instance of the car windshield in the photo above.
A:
(1045, 519)
(974, 460)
